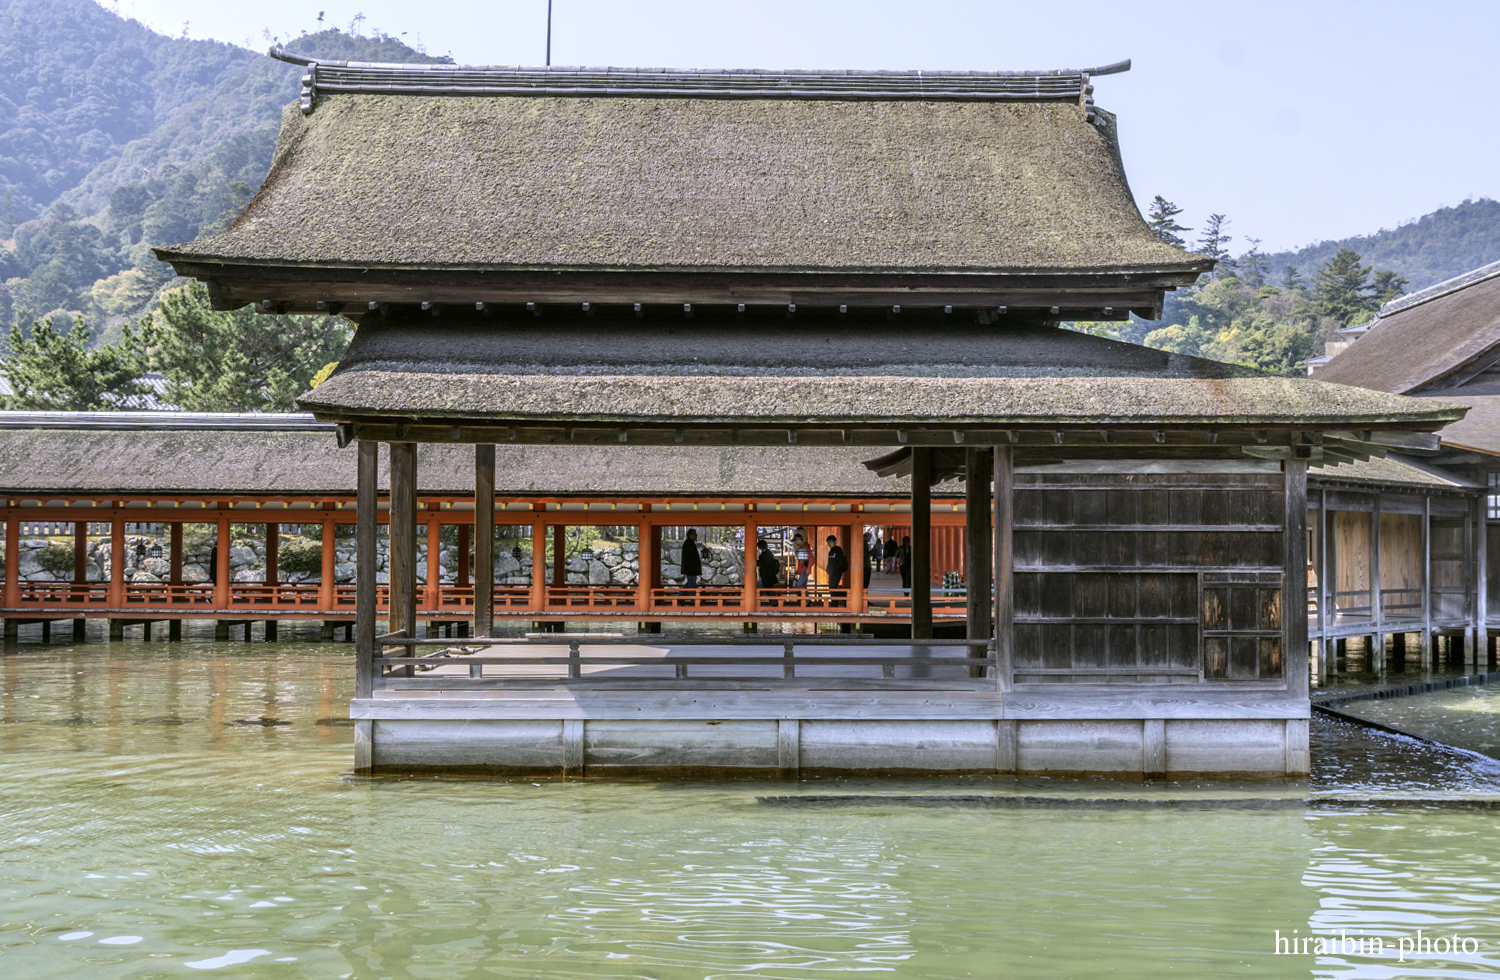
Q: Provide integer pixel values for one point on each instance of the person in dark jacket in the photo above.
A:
(891, 548)
(691, 560)
(767, 565)
(838, 570)
(868, 556)
(903, 559)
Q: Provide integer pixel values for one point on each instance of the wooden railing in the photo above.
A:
(594, 660)
(309, 599)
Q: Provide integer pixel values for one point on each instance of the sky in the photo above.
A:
(1300, 121)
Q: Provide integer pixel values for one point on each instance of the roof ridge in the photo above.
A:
(1438, 290)
(371, 78)
(247, 421)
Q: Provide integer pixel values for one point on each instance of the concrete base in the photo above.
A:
(752, 736)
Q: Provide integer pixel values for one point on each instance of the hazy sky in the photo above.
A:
(1299, 120)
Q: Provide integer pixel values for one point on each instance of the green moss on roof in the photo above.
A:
(693, 184)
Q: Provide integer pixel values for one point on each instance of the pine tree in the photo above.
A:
(1291, 278)
(1340, 289)
(52, 371)
(238, 360)
(1387, 285)
(1253, 264)
(1163, 221)
(1212, 244)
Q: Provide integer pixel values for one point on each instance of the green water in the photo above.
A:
(1468, 717)
(173, 810)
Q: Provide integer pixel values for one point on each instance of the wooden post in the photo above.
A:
(273, 553)
(366, 589)
(1427, 644)
(978, 542)
(750, 602)
(484, 540)
(116, 561)
(1377, 601)
(921, 543)
(538, 567)
(461, 562)
(13, 563)
(1482, 584)
(1294, 611)
(1325, 646)
(174, 554)
(645, 558)
(559, 556)
(1004, 568)
(1469, 604)
(434, 590)
(1331, 546)
(221, 560)
(403, 535)
(81, 551)
(326, 573)
(857, 561)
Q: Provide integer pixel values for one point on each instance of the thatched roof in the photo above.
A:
(831, 373)
(403, 168)
(180, 453)
(1428, 341)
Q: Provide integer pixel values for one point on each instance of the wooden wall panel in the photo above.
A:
(1351, 546)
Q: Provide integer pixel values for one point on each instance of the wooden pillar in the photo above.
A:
(1377, 601)
(81, 551)
(559, 556)
(856, 553)
(434, 590)
(222, 545)
(273, 554)
(13, 563)
(484, 540)
(403, 538)
(538, 567)
(1004, 477)
(1469, 604)
(1427, 644)
(116, 561)
(921, 543)
(645, 558)
(978, 541)
(1481, 584)
(326, 573)
(1325, 648)
(1294, 613)
(461, 562)
(174, 554)
(751, 602)
(366, 589)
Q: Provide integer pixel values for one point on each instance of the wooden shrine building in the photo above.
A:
(839, 260)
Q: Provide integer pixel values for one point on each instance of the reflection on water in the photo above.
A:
(170, 810)
(1468, 717)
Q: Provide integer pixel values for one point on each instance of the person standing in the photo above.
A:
(891, 550)
(691, 561)
(870, 546)
(903, 560)
(802, 555)
(767, 566)
(838, 570)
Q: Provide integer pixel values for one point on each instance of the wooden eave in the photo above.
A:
(293, 288)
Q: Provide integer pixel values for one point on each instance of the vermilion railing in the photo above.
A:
(310, 599)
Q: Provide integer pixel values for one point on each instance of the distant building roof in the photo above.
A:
(1439, 340)
(152, 401)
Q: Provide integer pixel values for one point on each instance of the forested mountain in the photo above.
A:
(1448, 242)
(114, 139)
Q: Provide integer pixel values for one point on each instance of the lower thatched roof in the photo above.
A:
(830, 373)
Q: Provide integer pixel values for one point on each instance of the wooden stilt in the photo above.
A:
(484, 540)
(1005, 585)
(1377, 598)
(921, 543)
(403, 538)
(1294, 602)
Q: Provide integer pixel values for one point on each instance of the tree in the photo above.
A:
(1252, 264)
(238, 360)
(1212, 244)
(1163, 221)
(1387, 285)
(52, 371)
(1292, 279)
(1339, 291)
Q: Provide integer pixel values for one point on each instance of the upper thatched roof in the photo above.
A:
(1439, 340)
(830, 373)
(635, 171)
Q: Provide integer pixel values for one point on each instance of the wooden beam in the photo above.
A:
(365, 588)
(403, 538)
(484, 539)
(1294, 595)
(432, 595)
(921, 544)
(222, 544)
(326, 573)
(538, 565)
(117, 561)
(1004, 549)
(1377, 603)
